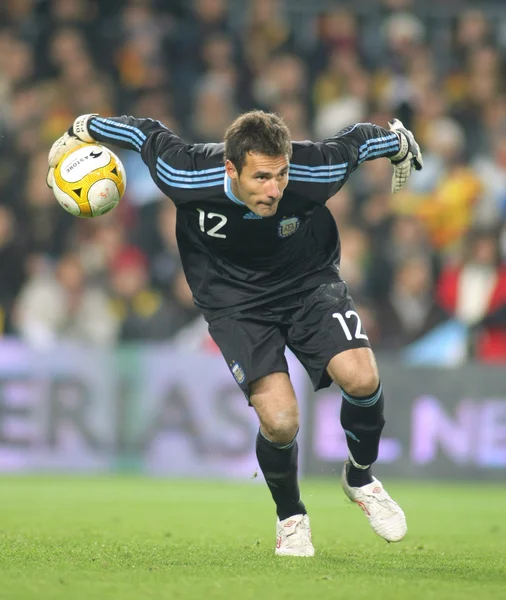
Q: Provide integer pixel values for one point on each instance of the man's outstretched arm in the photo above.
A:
(176, 167)
(365, 141)
(125, 132)
(326, 166)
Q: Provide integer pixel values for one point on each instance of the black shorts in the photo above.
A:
(315, 324)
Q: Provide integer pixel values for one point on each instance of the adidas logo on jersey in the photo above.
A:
(252, 215)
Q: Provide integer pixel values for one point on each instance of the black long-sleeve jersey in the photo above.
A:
(232, 258)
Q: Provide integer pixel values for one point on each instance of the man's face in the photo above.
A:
(261, 183)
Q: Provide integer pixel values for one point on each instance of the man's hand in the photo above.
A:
(409, 156)
(76, 136)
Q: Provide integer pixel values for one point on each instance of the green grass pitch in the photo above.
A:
(135, 538)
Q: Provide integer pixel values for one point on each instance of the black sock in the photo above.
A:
(362, 420)
(358, 477)
(279, 466)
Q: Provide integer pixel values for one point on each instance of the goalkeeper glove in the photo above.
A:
(76, 136)
(409, 156)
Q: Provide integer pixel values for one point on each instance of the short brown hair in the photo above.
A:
(257, 131)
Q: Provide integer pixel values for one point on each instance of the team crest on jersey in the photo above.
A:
(237, 372)
(288, 226)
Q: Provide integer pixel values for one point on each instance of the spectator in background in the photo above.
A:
(474, 292)
(267, 21)
(181, 300)
(144, 313)
(349, 106)
(58, 305)
(219, 62)
(284, 77)
(394, 242)
(139, 58)
(355, 256)
(447, 196)
(214, 108)
(20, 17)
(338, 35)
(294, 112)
(78, 12)
(409, 311)
(472, 32)
(491, 170)
(266, 33)
(338, 73)
(165, 261)
(184, 49)
(49, 227)
(99, 243)
(12, 266)
(483, 84)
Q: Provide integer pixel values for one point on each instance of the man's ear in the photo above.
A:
(231, 170)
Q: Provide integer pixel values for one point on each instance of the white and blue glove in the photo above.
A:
(76, 136)
(408, 158)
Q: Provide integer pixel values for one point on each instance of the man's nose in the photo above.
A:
(273, 189)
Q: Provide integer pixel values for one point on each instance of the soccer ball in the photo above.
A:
(89, 181)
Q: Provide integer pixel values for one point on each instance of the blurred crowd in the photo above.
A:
(432, 253)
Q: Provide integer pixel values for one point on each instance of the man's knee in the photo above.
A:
(280, 427)
(274, 400)
(355, 372)
(361, 384)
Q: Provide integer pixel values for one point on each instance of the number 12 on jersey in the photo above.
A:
(212, 231)
(358, 329)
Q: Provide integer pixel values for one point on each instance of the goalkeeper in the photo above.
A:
(261, 254)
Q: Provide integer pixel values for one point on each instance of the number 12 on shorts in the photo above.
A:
(358, 329)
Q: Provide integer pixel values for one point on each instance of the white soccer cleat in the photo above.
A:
(385, 516)
(293, 537)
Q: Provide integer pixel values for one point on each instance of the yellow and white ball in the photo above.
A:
(89, 181)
